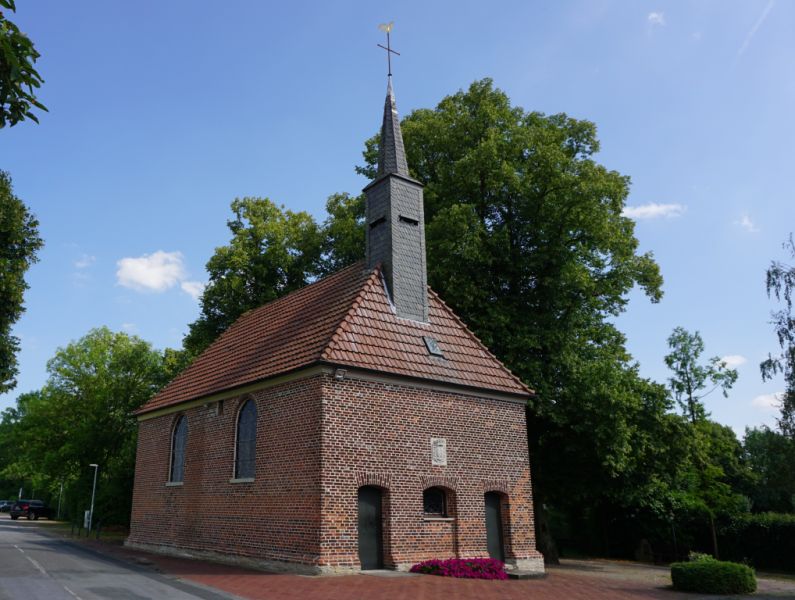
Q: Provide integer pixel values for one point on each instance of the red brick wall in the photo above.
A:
(372, 434)
(379, 434)
(276, 517)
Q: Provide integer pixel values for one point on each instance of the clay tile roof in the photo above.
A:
(344, 319)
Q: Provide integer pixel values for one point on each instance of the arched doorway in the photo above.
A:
(494, 542)
(371, 552)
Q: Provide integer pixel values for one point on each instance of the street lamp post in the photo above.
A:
(93, 492)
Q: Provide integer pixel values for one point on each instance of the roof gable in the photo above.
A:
(373, 337)
(344, 319)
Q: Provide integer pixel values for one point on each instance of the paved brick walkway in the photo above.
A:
(574, 580)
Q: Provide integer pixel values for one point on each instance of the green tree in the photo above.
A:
(690, 383)
(770, 456)
(272, 252)
(781, 285)
(18, 77)
(83, 415)
(343, 232)
(690, 378)
(527, 242)
(19, 244)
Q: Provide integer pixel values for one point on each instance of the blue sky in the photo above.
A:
(161, 113)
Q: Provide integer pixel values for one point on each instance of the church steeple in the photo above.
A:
(391, 154)
(395, 221)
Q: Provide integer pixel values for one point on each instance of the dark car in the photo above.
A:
(32, 509)
(5, 505)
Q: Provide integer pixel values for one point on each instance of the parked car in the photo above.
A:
(32, 509)
(5, 505)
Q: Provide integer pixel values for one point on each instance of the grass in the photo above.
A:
(112, 535)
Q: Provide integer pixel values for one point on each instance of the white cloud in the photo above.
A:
(768, 402)
(85, 261)
(733, 361)
(129, 327)
(157, 272)
(757, 25)
(652, 210)
(656, 18)
(746, 223)
(194, 289)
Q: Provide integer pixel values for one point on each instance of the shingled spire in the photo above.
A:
(395, 221)
(391, 154)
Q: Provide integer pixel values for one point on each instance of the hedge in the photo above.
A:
(713, 577)
(766, 540)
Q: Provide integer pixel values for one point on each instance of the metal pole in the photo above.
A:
(93, 492)
(60, 493)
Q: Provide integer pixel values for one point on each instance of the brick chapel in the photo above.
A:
(353, 424)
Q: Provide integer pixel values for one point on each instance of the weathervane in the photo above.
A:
(387, 27)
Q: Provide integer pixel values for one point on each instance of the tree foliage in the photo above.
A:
(690, 378)
(781, 285)
(770, 457)
(530, 247)
(83, 415)
(272, 252)
(527, 242)
(19, 79)
(19, 244)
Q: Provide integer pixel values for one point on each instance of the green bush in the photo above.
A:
(766, 540)
(710, 576)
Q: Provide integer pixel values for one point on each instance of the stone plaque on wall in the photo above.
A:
(439, 452)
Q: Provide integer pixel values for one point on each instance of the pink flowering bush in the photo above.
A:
(469, 568)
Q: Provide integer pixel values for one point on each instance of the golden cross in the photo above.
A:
(387, 27)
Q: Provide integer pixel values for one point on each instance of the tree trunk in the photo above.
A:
(545, 543)
(714, 536)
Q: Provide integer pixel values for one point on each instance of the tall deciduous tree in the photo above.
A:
(19, 79)
(692, 381)
(19, 244)
(781, 285)
(83, 415)
(527, 241)
(272, 252)
(343, 232)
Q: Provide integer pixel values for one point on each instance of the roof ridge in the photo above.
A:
(241, 323)
(280, 299)
(332, 342)
(483, 346)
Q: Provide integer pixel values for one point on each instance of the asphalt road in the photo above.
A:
(35, 566)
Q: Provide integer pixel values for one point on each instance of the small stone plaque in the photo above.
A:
(439, 452)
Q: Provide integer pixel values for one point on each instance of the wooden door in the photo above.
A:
(494, 526)
(370, 545)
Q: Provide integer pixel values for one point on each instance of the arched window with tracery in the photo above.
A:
(246, 445)
(179, 441)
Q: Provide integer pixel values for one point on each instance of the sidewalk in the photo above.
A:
(573, 580)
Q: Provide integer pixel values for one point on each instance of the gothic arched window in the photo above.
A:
(246, 445)
(179, 441)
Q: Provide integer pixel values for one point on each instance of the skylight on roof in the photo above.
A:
(433, 346)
